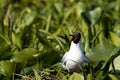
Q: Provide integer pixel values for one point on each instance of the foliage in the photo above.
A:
(34, 37)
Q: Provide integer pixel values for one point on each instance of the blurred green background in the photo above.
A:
(34, 35)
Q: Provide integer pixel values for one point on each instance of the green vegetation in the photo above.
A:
(34, 37)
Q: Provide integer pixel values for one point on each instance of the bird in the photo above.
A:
(74, 58)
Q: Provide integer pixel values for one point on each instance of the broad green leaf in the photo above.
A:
(37, 76)
(117, 63)
(16, 39)
(117, 29)
(92, 17)
(100, 52)
(2, 71)
(115, 53)
(76, 76)
(25, 55)
(115, 39)
(8, 66)
(112, 77)
(89, 76)
(80, 7)
(86, 16)
(95, 15)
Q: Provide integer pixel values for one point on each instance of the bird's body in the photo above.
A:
(74, 58)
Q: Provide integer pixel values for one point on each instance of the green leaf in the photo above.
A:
(2, 71)
(7, 18)
(92, 17)
(117, 63)
(37, 76)
(8, 66)
(99, 76)
(25, 55)
(76, 76)
(95, 15)
(16, 39)
(117, 29)
(86, 16)
(100, 52)
(115, 39)
(3, 36)
(112, 56)
(5, 50)
(112, 77)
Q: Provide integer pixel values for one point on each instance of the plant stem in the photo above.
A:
(84, 74)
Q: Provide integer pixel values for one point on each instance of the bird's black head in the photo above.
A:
(75, 37)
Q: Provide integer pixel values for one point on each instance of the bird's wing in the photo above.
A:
(64, 59)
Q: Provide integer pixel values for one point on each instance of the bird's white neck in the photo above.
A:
(75, 47)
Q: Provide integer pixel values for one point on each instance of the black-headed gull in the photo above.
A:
(74, 58)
